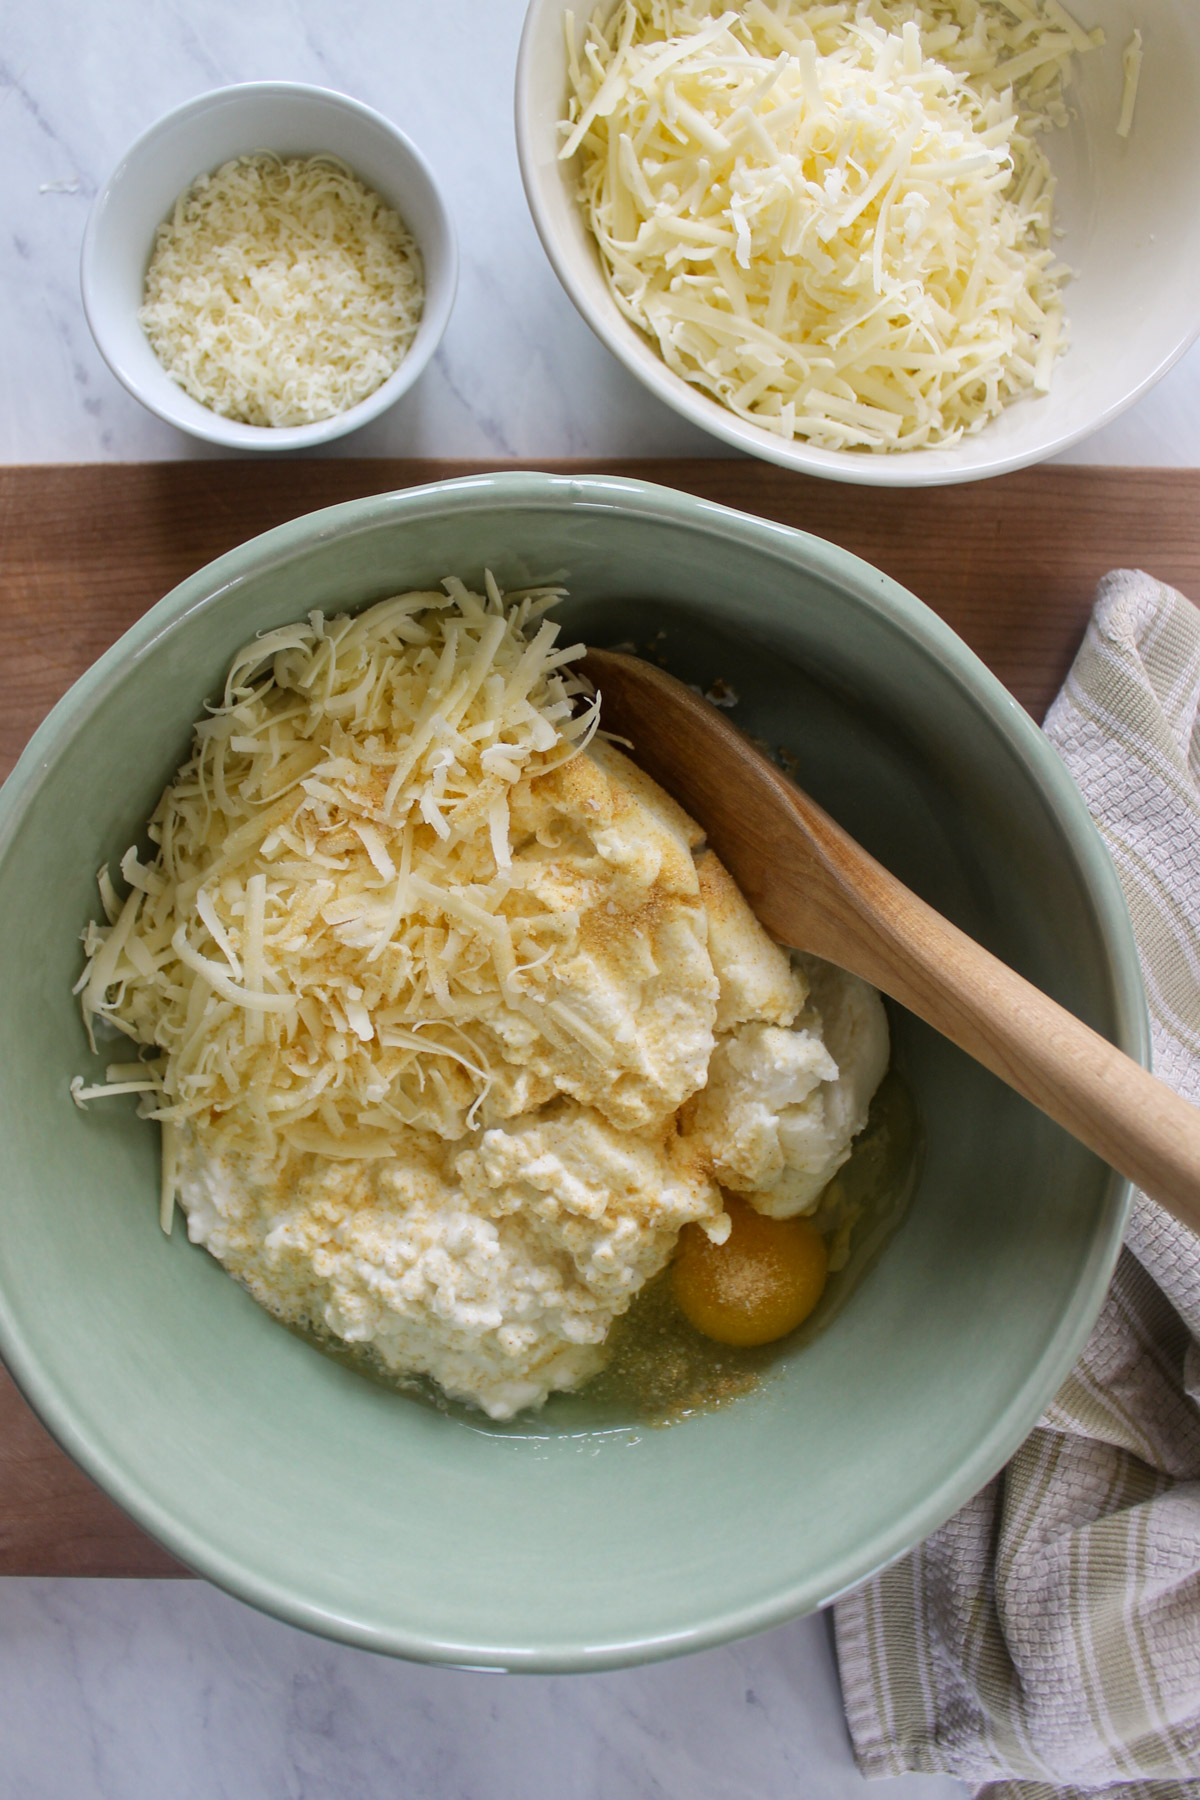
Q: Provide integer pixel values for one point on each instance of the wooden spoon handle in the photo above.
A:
(813, 887)
(1110, 1103)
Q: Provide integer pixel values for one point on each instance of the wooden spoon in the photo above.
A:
(814, 888)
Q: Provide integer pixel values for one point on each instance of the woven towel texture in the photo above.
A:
(1046, 1641)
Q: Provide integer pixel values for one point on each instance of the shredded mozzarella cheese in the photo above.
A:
(1131, 66)
(332, 909)
(282, 291)
(833, 217)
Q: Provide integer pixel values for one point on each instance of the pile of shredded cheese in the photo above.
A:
(834, 217)
(333, 885)
(282, 291)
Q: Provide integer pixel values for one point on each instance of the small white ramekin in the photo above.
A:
(292, 120)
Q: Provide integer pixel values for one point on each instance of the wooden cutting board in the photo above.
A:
(1011, 564)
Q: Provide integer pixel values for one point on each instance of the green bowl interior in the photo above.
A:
(553, 1543)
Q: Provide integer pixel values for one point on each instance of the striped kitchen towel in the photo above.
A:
(1047, 1640)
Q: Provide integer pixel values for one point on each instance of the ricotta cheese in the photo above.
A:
(282, 290)
(781, 1108)
(495, 1270)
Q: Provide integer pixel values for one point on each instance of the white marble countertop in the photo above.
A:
(518, 374)
(132, 1689)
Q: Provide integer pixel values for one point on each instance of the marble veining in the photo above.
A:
(116, 1690)
(518, 374)
(136, 1690)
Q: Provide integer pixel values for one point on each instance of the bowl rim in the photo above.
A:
(638, 356)
(530, 492)
(233, 434)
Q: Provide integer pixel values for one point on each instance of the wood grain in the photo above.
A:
(53, 1519)
(1011, 564)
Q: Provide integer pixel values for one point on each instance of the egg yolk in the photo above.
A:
(758, 1285)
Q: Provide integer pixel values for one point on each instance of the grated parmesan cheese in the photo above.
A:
(332, 907)
(833, 217)
(282, 291)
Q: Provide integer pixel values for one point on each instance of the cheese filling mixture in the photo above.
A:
(834, 217)
(450, 1022)
(282, 290)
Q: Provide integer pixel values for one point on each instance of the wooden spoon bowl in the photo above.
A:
(816, 889)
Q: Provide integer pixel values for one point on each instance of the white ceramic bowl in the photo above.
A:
(1132, 234)
(292, 120)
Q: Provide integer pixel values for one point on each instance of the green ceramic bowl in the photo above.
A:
(555, 1544)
